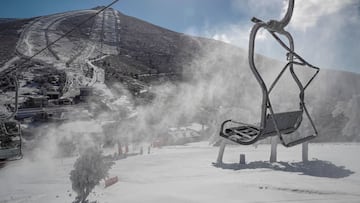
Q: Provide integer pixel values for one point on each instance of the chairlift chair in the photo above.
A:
(272, 123)
(10, 131)
(10, 140)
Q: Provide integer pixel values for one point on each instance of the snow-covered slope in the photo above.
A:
(185, 174)
(115, 48)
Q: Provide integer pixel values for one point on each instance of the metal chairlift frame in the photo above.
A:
(14, 149)
(274, 123)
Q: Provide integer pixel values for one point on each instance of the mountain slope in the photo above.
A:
(113, 47)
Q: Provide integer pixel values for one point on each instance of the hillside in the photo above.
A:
(195, 73)
(145, 104)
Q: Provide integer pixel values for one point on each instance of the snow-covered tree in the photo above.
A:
(88, 170)
(351, 110)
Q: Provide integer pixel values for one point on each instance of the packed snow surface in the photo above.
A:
(186, 174)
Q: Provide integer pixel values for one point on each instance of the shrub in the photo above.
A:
(88, 170)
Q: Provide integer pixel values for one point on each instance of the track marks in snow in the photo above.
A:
(9, 63)
(105, 32)
(39, 33)
(103, 40)
(23, 199)
(306, 191)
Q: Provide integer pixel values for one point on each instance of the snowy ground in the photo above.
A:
(185, 174)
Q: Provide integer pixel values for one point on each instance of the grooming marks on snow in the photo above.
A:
(22, 199)
(117, 28)
(105, 33)
(41, 32)
(23, 46)
(9, 63)
(306, 191)
(103, 39)
(110, 32)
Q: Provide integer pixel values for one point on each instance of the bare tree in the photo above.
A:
(88, 170)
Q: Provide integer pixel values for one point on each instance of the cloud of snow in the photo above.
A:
(350, 109)
(221, 37)
(219, 86)
(329, 28)
(308, 13)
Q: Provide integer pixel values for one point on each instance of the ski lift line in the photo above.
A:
(65, 34)
(47, 29)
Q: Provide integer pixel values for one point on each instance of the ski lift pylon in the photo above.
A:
(272, 123)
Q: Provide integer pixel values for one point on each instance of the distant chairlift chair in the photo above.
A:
(10, 131)
(272, 123)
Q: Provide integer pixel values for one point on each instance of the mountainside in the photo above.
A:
(114, 48)
(142, 44)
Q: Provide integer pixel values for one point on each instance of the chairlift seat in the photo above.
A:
(287, 122)
(245, 134)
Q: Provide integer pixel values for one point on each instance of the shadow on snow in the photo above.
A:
(315, 167)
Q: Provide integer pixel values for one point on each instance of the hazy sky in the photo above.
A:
(326, 32)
